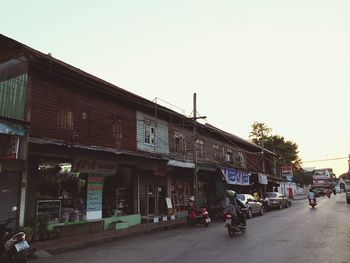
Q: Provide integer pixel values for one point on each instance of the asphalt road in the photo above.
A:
(295, 234)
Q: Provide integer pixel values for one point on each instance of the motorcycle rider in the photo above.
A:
(234, 205)
(311, 195)
(192, 207)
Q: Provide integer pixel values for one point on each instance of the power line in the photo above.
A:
(324, 160)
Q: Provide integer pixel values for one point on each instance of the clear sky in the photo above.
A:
(283, 63)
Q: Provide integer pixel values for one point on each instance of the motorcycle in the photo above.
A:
(13, 248)
(234, 224)
(312, 202)
(197, 216)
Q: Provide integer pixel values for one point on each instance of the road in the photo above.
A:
(295, 234)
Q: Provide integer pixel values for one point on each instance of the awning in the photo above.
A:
(180, 164)
(7, 127)
(207, 167)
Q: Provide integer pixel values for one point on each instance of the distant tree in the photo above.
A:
(260, 132)
(287, 151)
(345, 176)
(302, 177)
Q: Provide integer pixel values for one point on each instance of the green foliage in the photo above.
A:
(287, 151)
(260, 132)
(301, 177)
(345, 176)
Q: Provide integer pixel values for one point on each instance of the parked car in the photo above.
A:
(348, 195)
(254, 207)
(277, 200)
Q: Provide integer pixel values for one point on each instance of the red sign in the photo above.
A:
(286, 170)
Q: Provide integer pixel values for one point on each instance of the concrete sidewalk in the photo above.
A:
(56, 246)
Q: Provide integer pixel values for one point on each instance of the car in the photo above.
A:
(277, 200)
(254, 207)
(348, 195)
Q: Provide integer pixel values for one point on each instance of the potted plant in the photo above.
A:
(28, 230)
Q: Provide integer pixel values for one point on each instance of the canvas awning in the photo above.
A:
(7, 127)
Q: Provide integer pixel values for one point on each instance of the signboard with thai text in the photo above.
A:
(94, 166)
(94, 197)
(262, 178)
(234, 176)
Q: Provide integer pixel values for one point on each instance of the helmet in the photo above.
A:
(231, 193)
(192, 198)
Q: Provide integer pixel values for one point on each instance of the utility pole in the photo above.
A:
(195, 135)
(262, 152)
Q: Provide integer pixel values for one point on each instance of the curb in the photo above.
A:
(119, 236)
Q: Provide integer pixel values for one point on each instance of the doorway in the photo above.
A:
(152, 198)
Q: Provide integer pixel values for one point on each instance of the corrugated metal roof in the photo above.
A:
(13, 96)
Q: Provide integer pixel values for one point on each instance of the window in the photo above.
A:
(180, 142)
(228, 155)
(65, 119)
(216, 152)
(240, 159)
(199, 144)
(117, 129)
(150, 133)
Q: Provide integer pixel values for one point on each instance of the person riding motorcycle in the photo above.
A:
(192, 207)
(233, 205)
(311, 196)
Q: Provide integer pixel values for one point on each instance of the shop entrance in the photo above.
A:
(152, 199)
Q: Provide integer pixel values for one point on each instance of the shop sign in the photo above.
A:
(287, 171)
(262, 178)
(94, 198)
(94, 166)
(235, 177)
(9, 145)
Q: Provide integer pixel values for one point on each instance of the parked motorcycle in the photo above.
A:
(235, 224)
(197, 216)
(13, 248)
(312, 202)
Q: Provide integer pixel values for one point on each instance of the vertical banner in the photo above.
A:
(94, 197)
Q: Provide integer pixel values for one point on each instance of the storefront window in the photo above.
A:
(61, 193)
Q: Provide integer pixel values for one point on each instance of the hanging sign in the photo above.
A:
(262, 178)
(235, 177)
(287, 171)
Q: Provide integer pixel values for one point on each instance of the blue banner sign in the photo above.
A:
(236, 177)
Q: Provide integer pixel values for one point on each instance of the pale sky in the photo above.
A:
(283, 63)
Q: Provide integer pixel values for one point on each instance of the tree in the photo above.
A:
(260, 132)
(345, 176)
(287, 151)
